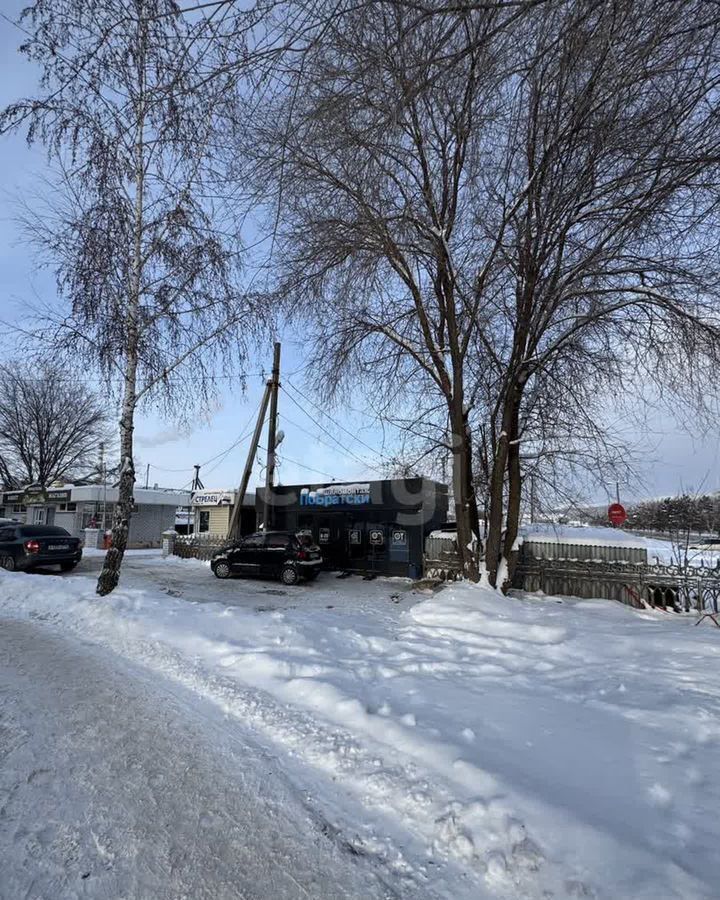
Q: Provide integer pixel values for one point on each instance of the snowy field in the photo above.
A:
(457, 744)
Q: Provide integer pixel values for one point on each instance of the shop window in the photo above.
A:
(204, 524)
(39, 515)
(18, 508)
(89, 520)
(67, 507)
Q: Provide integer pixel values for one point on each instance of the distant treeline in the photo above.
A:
(687, 512)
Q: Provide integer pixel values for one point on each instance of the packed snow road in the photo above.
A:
(115, 783)
(458, 745)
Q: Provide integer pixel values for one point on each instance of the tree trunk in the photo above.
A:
(110, 574)
(514, 496)
(470, 481)
(464, 495)
(499, 550)
(495, 510)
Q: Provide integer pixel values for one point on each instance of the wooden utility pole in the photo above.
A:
(274, 385)
(234, 529)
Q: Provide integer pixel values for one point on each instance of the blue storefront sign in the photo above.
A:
(336, 495)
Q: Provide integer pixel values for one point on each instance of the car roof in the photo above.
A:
(43, 531)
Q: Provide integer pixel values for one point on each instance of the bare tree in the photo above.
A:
(612, 145)
(50, 426)
(508, 218)
(137, 224)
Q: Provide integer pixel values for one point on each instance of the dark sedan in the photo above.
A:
(25, 547)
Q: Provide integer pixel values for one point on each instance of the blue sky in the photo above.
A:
(672, 458)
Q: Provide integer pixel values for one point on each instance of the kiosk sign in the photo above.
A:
(212, 498)
(336, 495)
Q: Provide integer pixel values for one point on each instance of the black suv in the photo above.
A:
(32, 546)
(281, 554)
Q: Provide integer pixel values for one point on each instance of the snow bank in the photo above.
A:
(483, 747)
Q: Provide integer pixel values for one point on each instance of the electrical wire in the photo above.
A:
(286, 418)
(227, 452)
(302, 465)
(222, 453)
(330, 434)
(334, 421)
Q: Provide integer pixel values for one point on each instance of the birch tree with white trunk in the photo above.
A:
(136, 222)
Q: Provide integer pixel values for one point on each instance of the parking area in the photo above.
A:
(193, 581)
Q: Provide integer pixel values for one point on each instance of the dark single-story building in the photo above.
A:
(376, 526)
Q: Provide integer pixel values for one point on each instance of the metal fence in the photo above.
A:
(441, 560)
(198, 546)
(560, 549)
(591, 571)
(636, 584)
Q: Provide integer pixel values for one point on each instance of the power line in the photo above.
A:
(302, 465)
(337, 424)
(222, 453)
(334, 421)
(227, 452)
(325, 443)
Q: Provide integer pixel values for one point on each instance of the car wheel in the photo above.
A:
(68, 566)
(289, 575)
(222, 570)
(8, 563)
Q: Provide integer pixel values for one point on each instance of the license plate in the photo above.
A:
(59, 547)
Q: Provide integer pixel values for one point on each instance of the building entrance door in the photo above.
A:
(39, 515)
(356, 542)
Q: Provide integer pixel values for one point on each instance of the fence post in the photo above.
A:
(168, 542)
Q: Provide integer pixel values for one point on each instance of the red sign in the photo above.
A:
(616, 513)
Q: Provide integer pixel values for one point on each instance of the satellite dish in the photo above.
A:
(279, 437)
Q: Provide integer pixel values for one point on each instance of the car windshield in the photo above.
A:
(43, 531)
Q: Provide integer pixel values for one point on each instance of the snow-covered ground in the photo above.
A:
(464, 744)
(116, 783)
